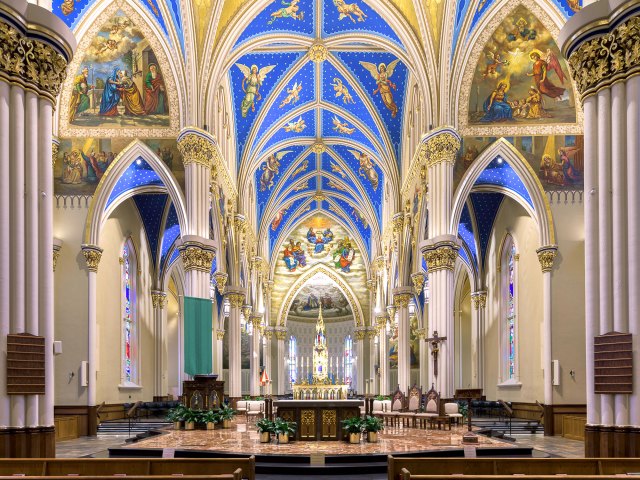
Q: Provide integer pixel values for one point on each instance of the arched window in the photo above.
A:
(293, 359)
(509, 324)
(129, 316)
(348, 360)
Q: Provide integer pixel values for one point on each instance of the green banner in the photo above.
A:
(197, 336)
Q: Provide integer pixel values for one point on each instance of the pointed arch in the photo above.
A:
(541, 210)
(101, 208)
(343, 286)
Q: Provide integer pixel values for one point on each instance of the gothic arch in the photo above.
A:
(301, 281)
(99, 210)
(541, 211)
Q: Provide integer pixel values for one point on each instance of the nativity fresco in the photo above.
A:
(119, 82)
(521, 78)
(83, 161)
(558, 159)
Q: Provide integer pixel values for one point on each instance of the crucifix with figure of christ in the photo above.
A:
(435, 349)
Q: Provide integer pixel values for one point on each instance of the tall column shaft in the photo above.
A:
(281, 335)
(236, 301)
(92, 255)
(383, 352)
(401, 299)
(5, 251)
(254, 356)
(360, 335)
(158, 300)
(479, 300)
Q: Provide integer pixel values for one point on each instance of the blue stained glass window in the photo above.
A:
(129, 348)
(511, 312)
(293, 359)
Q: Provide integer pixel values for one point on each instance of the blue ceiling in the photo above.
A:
(138, 174)
(485, 206)
(500, 174)
(151, 208)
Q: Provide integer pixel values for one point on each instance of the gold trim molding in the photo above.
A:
(441, 256)
(479, 300)
(158, 299)
(547, 256)
(196, 256)
(92, 255)
(196, 148)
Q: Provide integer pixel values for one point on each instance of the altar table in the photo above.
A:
(318, 419)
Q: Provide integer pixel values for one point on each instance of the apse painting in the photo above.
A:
(306, 304)
(119, 82)
(521, 78)
(83, 161)
(558, 160)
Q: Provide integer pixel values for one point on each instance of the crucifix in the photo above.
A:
(435, 349)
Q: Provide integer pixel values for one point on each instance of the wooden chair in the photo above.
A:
(397, 406)
(413, 406)
(432, 407)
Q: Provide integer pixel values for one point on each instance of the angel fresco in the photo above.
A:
(540, 73)
(288, 10)
(346, 10)
(337, 169)
(270, 169)
(366, 169)
(342, 127)
(297, 126)
(381, 74)
(342, 91)
(302, 168)
(293, 95)
(251, 83)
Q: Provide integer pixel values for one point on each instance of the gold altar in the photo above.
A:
(318, 391)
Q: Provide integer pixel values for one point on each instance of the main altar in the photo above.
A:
(320, 385)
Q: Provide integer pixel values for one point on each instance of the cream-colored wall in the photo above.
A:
(123, 223)
(513, 219)
(70, 306)
(568, 327)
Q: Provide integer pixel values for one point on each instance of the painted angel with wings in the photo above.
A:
(270, 169)
(381, 74)
(251, 83)
(366, 169)
(342, 127)
(293, 95)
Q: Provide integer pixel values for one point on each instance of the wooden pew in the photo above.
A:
(22, 466)
(236, 475)
(200, 466)
(440, 466)
(91, 467)
(547, 466)
(406, 475)
(617, 466)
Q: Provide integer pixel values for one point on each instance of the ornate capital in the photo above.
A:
(546, 257)
(360, 333)
(380, 264)
(268, 333)
(236, 299)
(220, 334)
(158, 299)
(31, 63)
(196, 146)
(391, 311)
(92, 255)
(318, 52)
(221, 281)
(372, 332)
(246, 310)
(479, 300)
(197, 256)
(281, 333)
(421, 333)
(441, 146)
(401, 300)
(256, 320)
(441, 256)
(418, 281)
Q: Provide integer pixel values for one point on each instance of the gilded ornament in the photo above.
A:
(268, 287)
(319, 147)
(92, 255)
(268, 333)
(318, 52)
(195, 257)
(401, 300)
(236, 299)
(418, 281)
(281, 333)
(442, 257)
(221, 281)
(442, 148)
(220, 334)
(30, 62)
(158, 299)
(319, 196)
(372, 332)
(479, 300)
(546, 257)
(246, 310)
(197, 149)
(360, 333)
(421, 333)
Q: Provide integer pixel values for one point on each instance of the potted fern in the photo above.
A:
(265, 428)
(226, 414)
(210, 418)
(283, 430)
(353, 426)
(372, 425)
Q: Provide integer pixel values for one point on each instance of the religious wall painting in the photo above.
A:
(521, 78)
(288, 11)
(295, 126)
(382, 74)
(253, 77)
(342, 127)
(320, 292)
(342, 91)
(344, 255)
(558, 160)
(83, 161)
(414, 343)
(119, 82)
(293, 95)
(270, 168)
(277, 220)
(366, 170)
(300, 169)
(351, 11)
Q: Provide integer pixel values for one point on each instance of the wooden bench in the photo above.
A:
(166, 467)
(236, 475)
(406, 475)
(511, 466)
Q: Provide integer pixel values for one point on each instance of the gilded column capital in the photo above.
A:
(235, 297)
(221, 281)
(256, 319)
(246, 310)
(268, 333)
(359, 333)
(197, 256)
(441, 145)
(92, 255)
(158, 299)
(281, 333)
(479, 299)
(31, 63)
(380, 265)
(372, 332)
(547, 256)
(421, 333)
(220, 334)
(381, 322)
(391, 311)
(401, 297)
(197, 146)
(418, 282)
(440, 256)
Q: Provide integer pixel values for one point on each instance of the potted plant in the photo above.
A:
(226, 413)
(372, 425)
(176, 415)
(353, 426)
(210, 418)
(283, 429)
(265, 428)
(190, 418)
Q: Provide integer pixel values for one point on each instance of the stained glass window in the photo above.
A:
(348, 359)
(511, 313)
(129, 327)
(293, 359)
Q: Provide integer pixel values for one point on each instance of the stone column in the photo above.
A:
(236, 298)
(439, 149)
(159, 300)
(360, 334)
(479, 300)
(36, 47)
(546, 256)
(254, 355)
(218, 323)
(267, 358)
(601, 43)
(401, 298)
(283, 380)
(374, 355)
(383, 350)
(424, 358)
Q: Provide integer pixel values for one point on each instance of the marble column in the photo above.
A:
(424, 357)
(283, 380)
(374, 355)
(36, 49)
(360, 334)
(267, 343)
(254, 355)
(401, 298)
(479, 300)
(383, 350)
(546, 256)
(159, 301)
(609, 89)
(236, 298)
(218, 323)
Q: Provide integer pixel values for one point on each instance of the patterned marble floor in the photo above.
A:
(243, 438)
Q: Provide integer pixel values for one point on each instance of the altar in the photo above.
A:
(318, 419)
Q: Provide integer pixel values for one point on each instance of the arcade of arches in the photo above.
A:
(453, 185)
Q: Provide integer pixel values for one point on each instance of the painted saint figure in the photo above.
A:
(343, 256)
(366, 169)
(381, 74)
(496, 106)
(80, 96)
(270, 169)
(289, 257)
(319, 239)
(155, 96)
(131, 98)
(251, 83)
(288, 10)
(72, 173)
(539, 74)
(111, 95)
(346, 10)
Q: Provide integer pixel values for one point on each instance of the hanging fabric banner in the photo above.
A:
(197, 336)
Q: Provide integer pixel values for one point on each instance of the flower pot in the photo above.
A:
(189, 425)
(177, 425)
(211, 425)
(265, 437)
(283, 438)
(226, 423)
(372, 437)
(354, 438)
